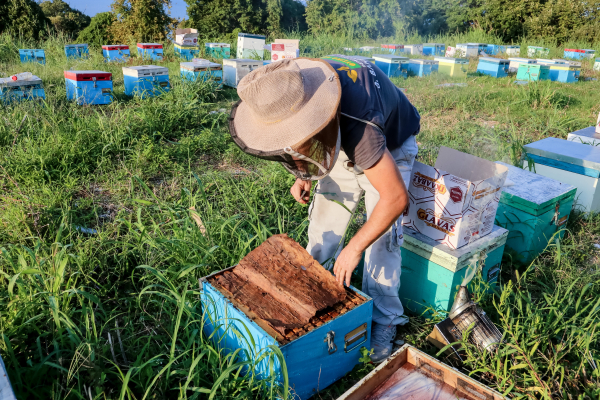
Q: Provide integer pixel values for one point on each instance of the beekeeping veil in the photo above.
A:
(289, 112)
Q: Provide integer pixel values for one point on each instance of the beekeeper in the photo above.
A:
(343, 123)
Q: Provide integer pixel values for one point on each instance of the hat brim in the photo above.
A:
(322, 97)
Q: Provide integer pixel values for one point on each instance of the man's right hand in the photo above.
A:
(301, 191)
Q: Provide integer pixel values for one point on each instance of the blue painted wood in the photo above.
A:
(310, 366)
(17, 91)
(496, 67)
(195, 71)
(89, 91)
(577, 169)
(572, 153)
(186, 52)
(74, 51)
(422, 68)
(32, 55)
(434, 49)
(150, 51)
(392, 65)
(116, 53)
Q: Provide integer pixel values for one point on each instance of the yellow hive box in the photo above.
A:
(456, 67)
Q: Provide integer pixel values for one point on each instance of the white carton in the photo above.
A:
(283, 49)
(186, 37)
(455, 202)
(450, 51)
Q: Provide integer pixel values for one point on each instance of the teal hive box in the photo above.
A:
(20, 90)
(496, 67)
(597, 64)
(570, 162)
(218, 50)
(89, 87)
(146, 80)
(77, 50)
(32, 55)
(533, 51)
(434, 49)
(533, 72)
(311, 364)
(150, 51)
(535, 210)
(432, 272)
(392, 65)
(186, 52)
(193, 72)
(422, 68)
(115, 52)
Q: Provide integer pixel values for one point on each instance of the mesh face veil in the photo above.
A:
(311, 159)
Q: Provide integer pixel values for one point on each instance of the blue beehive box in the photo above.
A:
(186, 52)
(77, 50)
(150, 51)
(393, 48)
(496, 67)
(19, 90)
(493, 49)
(571, 63)
(432, 272)
(560, 70)
(218, 50)
(192, 72)
(535, 210)
(89, 87)
(392, 65)
(146, 80)
(578, 54)
(422, 68)
(316, 354)
(434, 49)
(115, 52)
(32, 55)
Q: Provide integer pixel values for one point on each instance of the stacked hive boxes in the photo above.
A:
(16, 90)
(116, 52)
(186, 43)
(496, 67)
(150, 51)
(146, 80)
(89, 87)
(32, 55)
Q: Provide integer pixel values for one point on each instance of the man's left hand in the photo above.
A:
(345, 264)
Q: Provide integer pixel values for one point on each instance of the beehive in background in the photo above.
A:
(235, 69)
(218, 50)
(496, 67)
(146, 80)
(515, 62)
(533, 72)
(535, 210)
(89, 87)
(192, 72)
(186, 52)
(431, 272)
(116, 52)
(366, 49)
(250, 46)
(560, 70)
(392, 65)
(186, 37)
(32, 55)
(413, 49)
(571, 63)
(360, 58)
(150, 51)
(537, 51)
(569, 162)
(512, 50)
(578, 54)
(590, 135)
(285, 49)
(597, 64)
(19, 90)
(467, 49)
(422, 68)
(493, 49)
(456, 67)
(393, 48)
(74, 51)
(434, 49)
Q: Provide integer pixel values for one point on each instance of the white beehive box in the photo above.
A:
(513, 66)
(250, 46)
(234, 70)
(186, 37)
(467, 49)
(512, 50)
(414, 49)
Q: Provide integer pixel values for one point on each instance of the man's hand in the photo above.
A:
(345, 264)
(301, 191)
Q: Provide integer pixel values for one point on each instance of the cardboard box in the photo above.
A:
(186, 37)
(283, 49)
(454, 202)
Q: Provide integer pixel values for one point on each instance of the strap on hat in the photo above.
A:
(293, 153)
(362, 120)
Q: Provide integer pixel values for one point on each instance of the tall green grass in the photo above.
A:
(110, 214)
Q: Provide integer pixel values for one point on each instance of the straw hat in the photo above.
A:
(284, 103)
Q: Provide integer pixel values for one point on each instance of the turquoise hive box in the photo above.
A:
(496, 67)
(533, 72)
(570, 162)
(535, 210)
(432, 272)
(32, 55)
(392, 65)
(315, 357)
(597, 64)
(218, 50)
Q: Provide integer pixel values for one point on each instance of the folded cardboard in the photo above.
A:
(283, 49)
(454, 202)
(186, 37)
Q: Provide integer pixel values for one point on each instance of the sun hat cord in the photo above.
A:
(293, 153)
(362, 120)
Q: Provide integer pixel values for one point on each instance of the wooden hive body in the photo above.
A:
(236, 69)
(186, 52)
(76, 50)
(392, 65)
(434, 49)
(192, 71)
(456, 67)
(422, 68)
(150, 51)
(496, 67)
(535, 210)
(20, 90)
(146, 80)
(32, 55)
(116, 53)
(533, 72)
(89, 87)
(250, 46)
(218, 50)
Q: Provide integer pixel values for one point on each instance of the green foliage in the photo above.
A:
(64, 18)
(23, 18)
(140, 20)
(98, 32)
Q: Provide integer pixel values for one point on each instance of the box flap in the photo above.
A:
(579, 154)
(185, 31)
(466, 166)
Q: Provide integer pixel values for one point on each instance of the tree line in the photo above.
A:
(148, 20)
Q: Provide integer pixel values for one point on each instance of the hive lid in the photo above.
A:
(199, 66)
(585, 135)
(423, 62)
(8, 82)
(237, 61)
(434, 44)
(115, 47)
(569, 62)
(392, 46)
(185, 46)
(251, 36)
(452, 259)
(150, 45)
(77, 45)
(533, 193)
(87, 75)
(523, 60)
(30, 50)
(577, 154)
(451, 60)
(493, 60)
(144, 70)
(217, 44)
(389, 58)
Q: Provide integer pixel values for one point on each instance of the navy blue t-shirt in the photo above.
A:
(368, 94)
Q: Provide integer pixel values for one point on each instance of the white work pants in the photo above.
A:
(328, 222)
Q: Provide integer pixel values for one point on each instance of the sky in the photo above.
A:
(93, 7)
